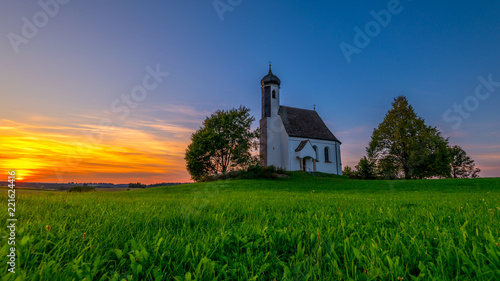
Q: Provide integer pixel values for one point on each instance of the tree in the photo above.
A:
(462, 166)
(403, 144)
(366, 169)
(348, 172)
(387, 168)
(224, 143)
(80, 188)
(432, 157)
(136, 185)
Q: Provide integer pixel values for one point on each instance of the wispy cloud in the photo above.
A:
(138, 148)
(356, 132)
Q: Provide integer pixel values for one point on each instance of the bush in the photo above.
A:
(281, 171)
(259, 172)
(252, 172)
(349, 172)
(136, 185)
(80, 188)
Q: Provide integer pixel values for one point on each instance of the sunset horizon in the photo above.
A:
(116, 99)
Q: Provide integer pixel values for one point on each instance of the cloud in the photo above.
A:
(65, 153)
(356, 132)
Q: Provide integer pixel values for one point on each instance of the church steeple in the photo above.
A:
(270, 94)
(270, 78)
(271, 132)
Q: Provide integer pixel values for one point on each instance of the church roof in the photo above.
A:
(301, 145)
(304, 123)
(270, 78)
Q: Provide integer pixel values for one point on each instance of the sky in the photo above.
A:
(111, 91)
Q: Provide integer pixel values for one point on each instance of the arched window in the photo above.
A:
(316, 153)
(274, 94)
(327, 154)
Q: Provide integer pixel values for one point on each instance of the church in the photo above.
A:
(292, 138)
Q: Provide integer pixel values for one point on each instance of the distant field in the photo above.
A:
(297, 228)
(25, 190)
(37, 190)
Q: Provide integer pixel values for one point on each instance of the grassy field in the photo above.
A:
(297, 228)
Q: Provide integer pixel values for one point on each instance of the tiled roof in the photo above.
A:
(301, 145)
(305, 123)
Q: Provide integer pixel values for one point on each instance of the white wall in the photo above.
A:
(277, 143)
(331, 168)
(275, 103)
(277, 138)
(284, 144)
(338, 160)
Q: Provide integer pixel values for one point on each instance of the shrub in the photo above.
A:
(252, 172)
(80, 188)
(136, 185)
(281, 171)
(349, 172)
(259, 172)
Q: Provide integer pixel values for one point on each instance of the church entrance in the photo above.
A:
(307, 164)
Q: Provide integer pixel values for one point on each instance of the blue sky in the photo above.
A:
(58, 85)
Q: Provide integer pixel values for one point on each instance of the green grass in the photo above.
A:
(298, 228)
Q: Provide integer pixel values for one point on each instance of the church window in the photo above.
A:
(316, 153)
(327, 154)
(274, 94)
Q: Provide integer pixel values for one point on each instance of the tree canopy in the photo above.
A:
(224, 143)
(404, 146)
(462, 166)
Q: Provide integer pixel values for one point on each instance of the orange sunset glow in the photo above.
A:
(63, 154)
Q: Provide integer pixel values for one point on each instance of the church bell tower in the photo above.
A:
(270, 107)
(270, 94)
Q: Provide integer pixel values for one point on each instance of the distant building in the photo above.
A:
(292, 138)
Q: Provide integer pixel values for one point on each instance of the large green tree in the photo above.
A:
(224, 143)
(403, 145)
(462, 166)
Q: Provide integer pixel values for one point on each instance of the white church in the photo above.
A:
(292, 138)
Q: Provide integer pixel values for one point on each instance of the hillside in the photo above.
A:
(301, 228)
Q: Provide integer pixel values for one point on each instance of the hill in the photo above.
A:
(302, 228)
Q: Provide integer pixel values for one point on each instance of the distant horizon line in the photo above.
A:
(40, 182)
